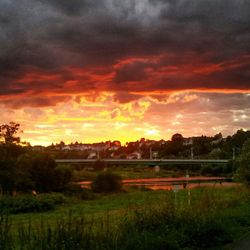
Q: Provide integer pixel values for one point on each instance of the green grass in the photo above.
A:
(137, 220)
(98, 207)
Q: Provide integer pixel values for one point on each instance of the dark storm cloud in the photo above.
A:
(55, 35)
(34, 101)
(133, 71)
(74, 7)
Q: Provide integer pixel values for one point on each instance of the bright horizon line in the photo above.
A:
(123, 142)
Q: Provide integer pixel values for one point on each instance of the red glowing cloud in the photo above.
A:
(128, 63)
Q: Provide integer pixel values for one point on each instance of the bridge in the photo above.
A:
(144, 161)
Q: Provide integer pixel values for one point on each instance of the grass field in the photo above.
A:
(135, 219)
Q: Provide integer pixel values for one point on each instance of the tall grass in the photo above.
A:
(171, 224)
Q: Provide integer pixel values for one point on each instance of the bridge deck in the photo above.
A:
(144, 161)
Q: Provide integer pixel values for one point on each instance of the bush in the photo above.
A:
(56, 198)
(99, 165)
(217, 171)
(107, 183)
(28, 203)
(230, 167)
(87, 194)
(207, 170)
(79, 192)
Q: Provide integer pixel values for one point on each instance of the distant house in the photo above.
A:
(217, 139)
(188, 141)
(134, 155)
(101, 146)
(155, 154)
(162, 142)
(92, 155)
(113, 148)
(149, 143)
(66, 148)
(38, 148)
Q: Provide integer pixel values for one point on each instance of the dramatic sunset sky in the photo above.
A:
(94, 70)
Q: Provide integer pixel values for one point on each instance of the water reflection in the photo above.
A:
(172, 186)
(173, 183)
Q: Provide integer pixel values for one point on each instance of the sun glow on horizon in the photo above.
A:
(156, 118)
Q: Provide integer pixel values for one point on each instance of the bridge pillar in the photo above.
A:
(157, 169)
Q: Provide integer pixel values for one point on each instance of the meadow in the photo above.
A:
(133, 219)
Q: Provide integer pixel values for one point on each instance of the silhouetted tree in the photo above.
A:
(177, 138)
(43, 173)
(8, 133)
(62, 175)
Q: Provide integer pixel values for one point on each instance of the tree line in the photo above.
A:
(23, 170)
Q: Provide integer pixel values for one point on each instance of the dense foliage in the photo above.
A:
(23, 170)
(27, 171)
(107, 182)
(206, 147)
(244, 163)
(28, 203)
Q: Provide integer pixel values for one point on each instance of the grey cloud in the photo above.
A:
(51, 35)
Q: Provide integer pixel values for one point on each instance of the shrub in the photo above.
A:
(217, 170)
(106, 183)
(87, 194)
(28, 203)
(230, 167)
(56, 198)
(79, 192)
(99, 165)
(207, 170)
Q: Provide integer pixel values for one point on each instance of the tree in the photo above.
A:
(10, 151)
(177, 138)
(43, 173)
(47, 176)
(23, 168)
(8, 133)
(7, 176)
(63, 175)
(244, 163)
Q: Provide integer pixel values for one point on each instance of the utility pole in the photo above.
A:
(150, 153)
(189, 195)
(233, 153)
(192, 153)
